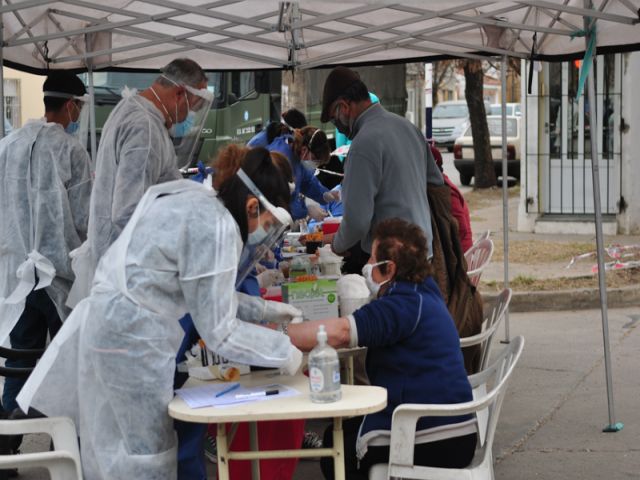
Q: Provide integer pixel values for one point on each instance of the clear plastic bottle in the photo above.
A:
(324, 371)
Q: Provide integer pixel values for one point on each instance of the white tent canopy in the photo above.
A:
(259, 34)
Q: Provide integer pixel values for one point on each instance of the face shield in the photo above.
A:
(79, 128)
(186, 129)
(268, 235)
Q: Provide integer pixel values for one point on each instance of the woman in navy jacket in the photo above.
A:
(413, 351)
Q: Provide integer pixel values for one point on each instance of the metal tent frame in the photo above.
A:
(89, 35)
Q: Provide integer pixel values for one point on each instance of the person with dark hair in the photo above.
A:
(413, 352)
(44, 198)
(294, 118)
(289, 121)
(385, 169)
(141, 142)
(111, 367)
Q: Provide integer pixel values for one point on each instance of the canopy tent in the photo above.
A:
(259, 34)
(38, 35)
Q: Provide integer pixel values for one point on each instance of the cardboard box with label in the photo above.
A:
(317, 299)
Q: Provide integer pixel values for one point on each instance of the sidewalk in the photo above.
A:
(551, 422)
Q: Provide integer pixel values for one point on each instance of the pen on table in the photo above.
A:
(263, 393)
(227, 390)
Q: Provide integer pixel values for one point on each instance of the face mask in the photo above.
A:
(258, 235)
(72, 127)
(292, 187)
(310, 164)
(181, 129)
(367, 271)
(342, 127)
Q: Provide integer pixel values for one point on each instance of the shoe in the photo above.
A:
(311, 440)
(210, 448)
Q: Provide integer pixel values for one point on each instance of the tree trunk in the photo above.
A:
(484, 173)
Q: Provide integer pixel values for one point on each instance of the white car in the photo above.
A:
(463, 149)
(513, 109)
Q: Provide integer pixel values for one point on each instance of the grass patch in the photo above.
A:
(537, 251)
(485, 197)
(615, 279)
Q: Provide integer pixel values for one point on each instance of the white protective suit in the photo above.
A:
(45, 185)
(111, 365)
(135, 153)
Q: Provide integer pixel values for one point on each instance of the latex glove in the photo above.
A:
(278, 312)
(317, 213)
(270, 277)
(293, 363)
(331, 196)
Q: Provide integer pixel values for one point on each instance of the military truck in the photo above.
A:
(246, 101)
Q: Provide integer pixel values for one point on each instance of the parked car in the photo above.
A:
(463, 158)
(450, 120)
(513, 109)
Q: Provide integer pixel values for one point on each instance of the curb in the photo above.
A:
(581, 299)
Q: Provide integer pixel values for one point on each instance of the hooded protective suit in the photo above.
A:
(45, 185)
(111, 365)
(135, 153)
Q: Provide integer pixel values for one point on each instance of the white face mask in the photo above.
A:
(258, 235)
(367, 272)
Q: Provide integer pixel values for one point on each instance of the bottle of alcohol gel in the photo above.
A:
(324, 371)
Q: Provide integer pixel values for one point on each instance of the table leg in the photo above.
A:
(338, 449)
(253, 445)
(223, 452)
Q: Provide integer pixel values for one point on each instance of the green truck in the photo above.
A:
(246, 101)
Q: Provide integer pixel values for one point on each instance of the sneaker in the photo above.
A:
(210, 449)
(311, 440)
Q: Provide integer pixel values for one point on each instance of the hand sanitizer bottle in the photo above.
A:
(324, 371)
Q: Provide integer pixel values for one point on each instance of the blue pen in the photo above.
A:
(227, 390)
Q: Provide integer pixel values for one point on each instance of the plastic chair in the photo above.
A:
(493, 316)
(63, 463)
(18, 354)
(478, 257)
(405, 417)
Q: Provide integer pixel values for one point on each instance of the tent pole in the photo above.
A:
(593, 136)
(92, 116)
(505, 188)
(2, 132)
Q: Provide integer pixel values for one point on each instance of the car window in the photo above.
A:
(495, 127)
(450, 111)
(496, 109)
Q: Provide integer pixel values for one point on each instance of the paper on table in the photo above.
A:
(205, 395)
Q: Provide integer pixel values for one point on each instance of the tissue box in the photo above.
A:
(317, 299)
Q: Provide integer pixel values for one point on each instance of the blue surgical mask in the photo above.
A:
(72, 127)
(181, 129)
(257, 236)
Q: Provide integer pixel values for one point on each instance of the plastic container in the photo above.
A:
(330, 225)
(329, 268)
(324, 371)
(350, 305)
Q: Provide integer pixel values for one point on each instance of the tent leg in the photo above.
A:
(505, 189)
(92, 117)
(613, 426)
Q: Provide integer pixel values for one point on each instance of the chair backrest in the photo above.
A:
(493, 316)
(63, 463)
(403, 427)
(478, 257)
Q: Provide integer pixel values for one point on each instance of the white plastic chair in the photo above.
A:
(493, 316)
(63, 463)
(478, 257)
(405, 417)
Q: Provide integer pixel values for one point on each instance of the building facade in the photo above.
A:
(556, 180)
(22, 96)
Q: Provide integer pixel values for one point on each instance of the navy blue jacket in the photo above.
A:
(413, 351)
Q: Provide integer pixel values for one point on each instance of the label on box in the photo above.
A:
(317, 299)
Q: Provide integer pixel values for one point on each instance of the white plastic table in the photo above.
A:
(356, 400)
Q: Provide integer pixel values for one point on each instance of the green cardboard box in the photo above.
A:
(317, 299)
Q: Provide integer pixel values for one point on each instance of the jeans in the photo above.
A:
(39, 318)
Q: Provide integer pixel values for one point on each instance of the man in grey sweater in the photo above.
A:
(386, 168)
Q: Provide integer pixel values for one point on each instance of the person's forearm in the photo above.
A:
(304, 335)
